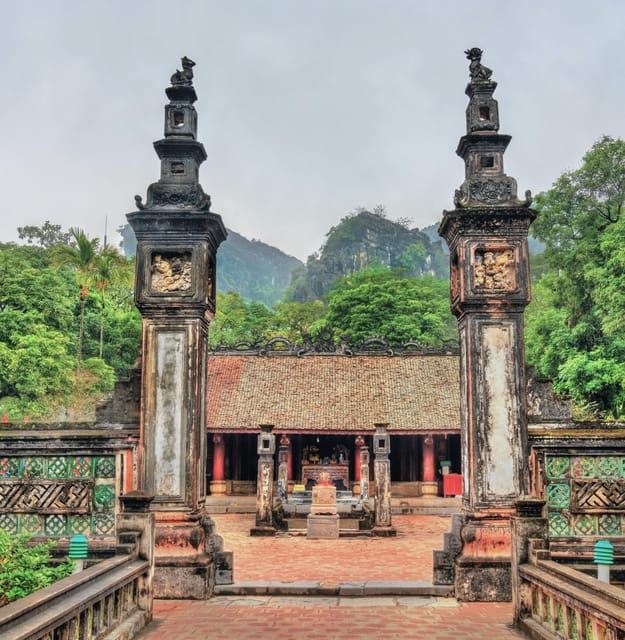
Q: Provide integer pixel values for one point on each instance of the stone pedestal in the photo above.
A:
(322, 526)
(323, 499)
(218, 487)
(429, 488)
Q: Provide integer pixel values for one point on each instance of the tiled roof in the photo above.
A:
(333, 392)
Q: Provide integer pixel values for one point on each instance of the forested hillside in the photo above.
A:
(364, 240)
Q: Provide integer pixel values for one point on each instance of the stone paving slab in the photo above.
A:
(302, 618)
(406, 557)
(311, 588)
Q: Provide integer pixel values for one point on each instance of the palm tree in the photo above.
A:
(82, 257)
(108, 270)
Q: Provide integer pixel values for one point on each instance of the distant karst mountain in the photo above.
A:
(258, 271)
(362, 240)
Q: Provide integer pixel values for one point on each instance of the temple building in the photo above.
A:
(323, 406)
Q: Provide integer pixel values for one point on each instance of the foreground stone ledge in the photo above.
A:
(345, 589)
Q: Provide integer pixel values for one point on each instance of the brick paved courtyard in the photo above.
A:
(408, 557)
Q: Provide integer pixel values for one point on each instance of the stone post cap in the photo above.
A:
(136, 502)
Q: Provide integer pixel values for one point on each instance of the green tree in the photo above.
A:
(293, 319)
(239, 321)
(26, 568)
(390, 305)
(47, 235)
(81, 257)
(575, 326)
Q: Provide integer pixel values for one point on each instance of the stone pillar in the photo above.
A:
(264, 483)
(429, 485)
(487, 238)
(382, 479)
(177, 241)
(528, 524)
(283, 469)
(364, 472)
(218, 483)
(135, 523)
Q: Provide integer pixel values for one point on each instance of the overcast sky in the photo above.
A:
(306, 109)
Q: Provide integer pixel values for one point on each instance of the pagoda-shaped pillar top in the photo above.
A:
(483, 147)
(181, 155)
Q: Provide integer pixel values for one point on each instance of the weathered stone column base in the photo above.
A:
(483, 580)
(218, 487)
(483, 567)
(263, 530)
(322, 526)
(384, 532)
(184, 577)
(186, 545)
(429, 488)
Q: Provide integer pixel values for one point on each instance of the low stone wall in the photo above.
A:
(579, 470)
(61, 480)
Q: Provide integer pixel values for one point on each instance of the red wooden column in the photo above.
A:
(429, 486)
(429, 470)
(218, 483)
(285, 441)
(358, 445)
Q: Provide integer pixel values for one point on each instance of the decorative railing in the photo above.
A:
(559, 602)
(85, 605)
(113, 596)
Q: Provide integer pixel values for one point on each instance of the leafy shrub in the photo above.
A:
(104, 375)
(25, 568)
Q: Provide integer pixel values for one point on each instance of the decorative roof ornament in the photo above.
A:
(482, 148)
(184, 77)
(477, 70)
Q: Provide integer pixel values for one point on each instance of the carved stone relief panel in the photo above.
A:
(494, 269)
(46, 496)
(170, 272)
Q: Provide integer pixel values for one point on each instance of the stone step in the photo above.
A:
(346, 589)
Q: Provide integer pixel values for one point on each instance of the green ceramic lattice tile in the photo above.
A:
(103, 524)
(31, 523)
(556, 467)
(32, 468)
(8, 522)
(80, 467)
(610, 525)
(9, 467)
(105, 467)
(56, 524)
(559, 495)
(585, 525)
(57, 467)
(103, 496)
(79, 524)
(558, 525)
(608, 467)
(584, 467)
